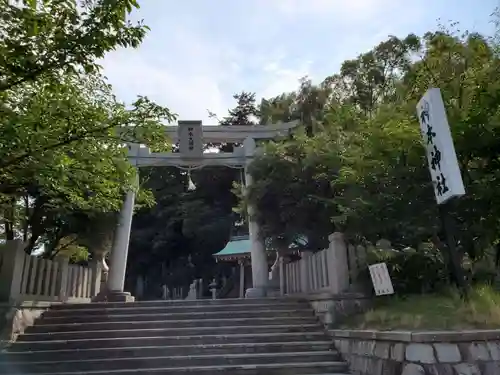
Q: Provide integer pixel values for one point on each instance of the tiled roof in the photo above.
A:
(241, 246)
(237, 246)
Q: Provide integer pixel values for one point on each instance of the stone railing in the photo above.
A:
(31, 278)
(420, 353)
(333, 270)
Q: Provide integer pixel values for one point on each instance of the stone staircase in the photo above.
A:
(235, 337)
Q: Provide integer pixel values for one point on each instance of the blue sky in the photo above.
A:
(200, 52)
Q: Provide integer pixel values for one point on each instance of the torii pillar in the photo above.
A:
(260, 274)
(119, 251)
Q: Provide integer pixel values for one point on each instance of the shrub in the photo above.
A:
(412, 272)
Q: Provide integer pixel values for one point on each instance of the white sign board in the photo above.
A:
(380, 279)
(443, 164)
(190, 138)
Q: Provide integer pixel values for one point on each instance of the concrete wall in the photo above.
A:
(420, 353)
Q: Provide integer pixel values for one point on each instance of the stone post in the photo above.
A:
(64, 293)
(260, 275)
(12, 258)
(304, 271)
(242, 278)
(213, 288)
(282, 275)
(96, 267)
(338, 265)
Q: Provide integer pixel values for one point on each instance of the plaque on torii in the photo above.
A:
(190, 134)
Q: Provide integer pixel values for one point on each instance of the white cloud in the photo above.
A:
(191, 65)
(342, 10)
(187, 94)
(185, 77)
(278, 78)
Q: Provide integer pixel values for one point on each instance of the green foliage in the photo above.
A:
(245, 112)
(63, 164)
(363, 169)
(68, 248)
(287, 180)
(58, 37)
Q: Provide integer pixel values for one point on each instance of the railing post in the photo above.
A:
(95, 282)
(242, 278)
(164, 292)
(213, 289)
(282, 275)
(353, 264)
(338, 266)
(64, 269)
(304, 271)
(12, 258)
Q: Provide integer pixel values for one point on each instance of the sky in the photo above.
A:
(201, 52)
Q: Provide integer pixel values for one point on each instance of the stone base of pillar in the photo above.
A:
(110, 296)
(114, 296)
(256, 293)
(273, 291)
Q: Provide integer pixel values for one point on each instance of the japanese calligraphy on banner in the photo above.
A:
(190, 138)
(381, 280)
(443, 164)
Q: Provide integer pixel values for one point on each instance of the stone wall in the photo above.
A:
(14, 319)
(331, 309)
(420, 353)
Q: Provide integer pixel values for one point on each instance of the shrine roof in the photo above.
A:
(239, 247)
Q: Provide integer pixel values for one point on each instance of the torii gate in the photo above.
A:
(191, 136)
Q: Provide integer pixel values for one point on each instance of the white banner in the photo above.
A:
(443, 164)
(190, 138)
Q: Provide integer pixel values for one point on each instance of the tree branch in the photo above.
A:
(65, 142)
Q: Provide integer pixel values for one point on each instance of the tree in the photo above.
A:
(62, 149)
(63, 165)
(368, 147)
(287, 180)
(306, 105)
(245, 112)
(56, 37)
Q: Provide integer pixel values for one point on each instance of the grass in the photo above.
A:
(446, 311)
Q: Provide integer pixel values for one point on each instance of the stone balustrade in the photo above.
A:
(30, 278)
(333, 270)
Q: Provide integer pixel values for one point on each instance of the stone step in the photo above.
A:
(166, 341)
(174, 309)
(161, 315)
(285, 368)
(173, 361)
(180, 303)
(112, 326)
(169, 332)
(156, 351)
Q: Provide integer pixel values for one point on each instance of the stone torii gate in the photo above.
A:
(192, 136)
